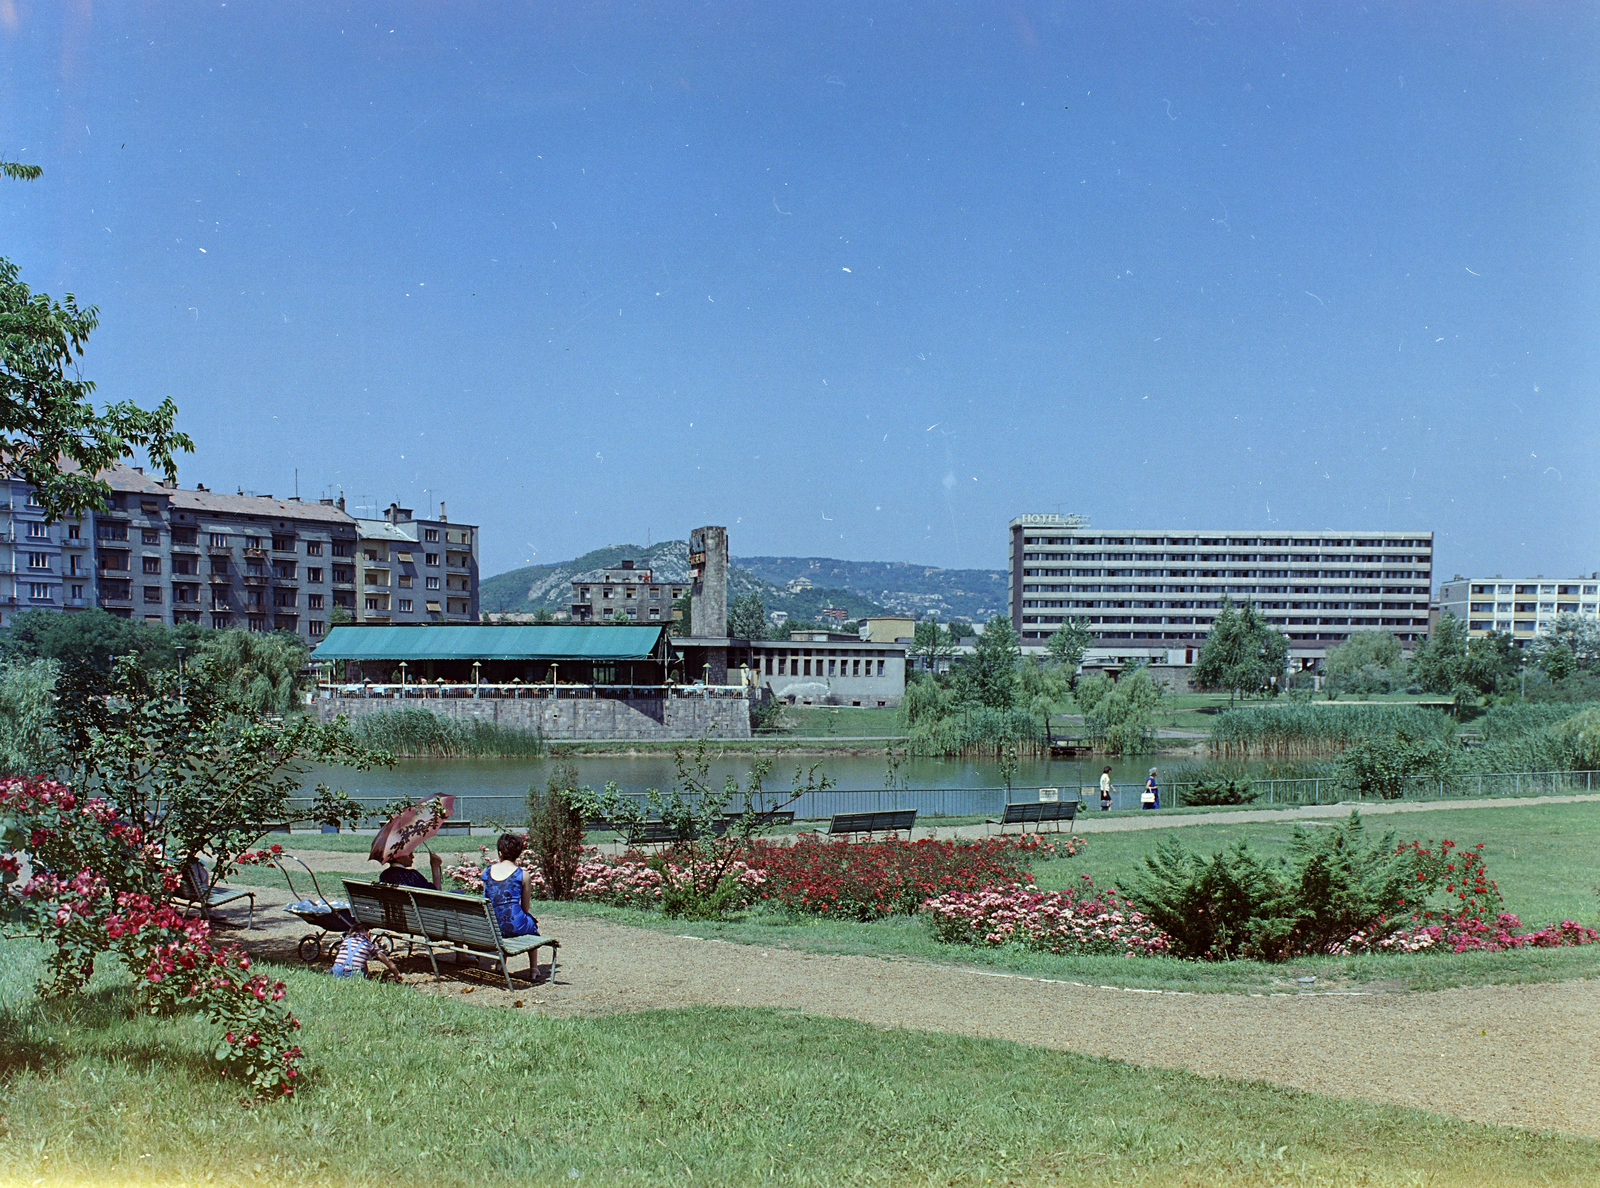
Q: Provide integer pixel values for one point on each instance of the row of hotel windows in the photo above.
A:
(801, 666)
(1249, 558)
(1375, 575)
(1205, 621)
(1221, 542)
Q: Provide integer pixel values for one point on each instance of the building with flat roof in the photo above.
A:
(600, 595)
(1519, 607)
(416, 571)
(1151, 594)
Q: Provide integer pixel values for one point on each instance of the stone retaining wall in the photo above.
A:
(640, 718)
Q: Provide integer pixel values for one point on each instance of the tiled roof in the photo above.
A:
(125, 478)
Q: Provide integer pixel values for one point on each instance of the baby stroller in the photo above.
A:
(331, 917)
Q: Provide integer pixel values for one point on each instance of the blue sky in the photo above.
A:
(856, 280)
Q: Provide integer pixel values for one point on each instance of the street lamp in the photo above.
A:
(475, 678)
(402, 678)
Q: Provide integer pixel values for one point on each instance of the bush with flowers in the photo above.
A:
(156, 776)
(630, 879)
(870, 880)
(72, 871)
(1083, 919)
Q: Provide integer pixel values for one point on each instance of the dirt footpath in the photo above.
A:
(1505, 1055)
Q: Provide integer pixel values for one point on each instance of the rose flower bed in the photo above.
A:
(870, 880)
(623, 880)
(1083, 919)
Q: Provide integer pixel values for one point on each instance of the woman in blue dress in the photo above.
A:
(506, 888)
(1152, 794)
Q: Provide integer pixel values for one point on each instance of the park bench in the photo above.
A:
(1038, 812)
(890, 820)
(456, 827)
(461, 923)
(196, 890)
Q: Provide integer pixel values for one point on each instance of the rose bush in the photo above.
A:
(625, 880)
(90, 883)
(1082, 919)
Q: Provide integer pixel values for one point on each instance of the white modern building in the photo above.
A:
(1521, 607)
(1151, 593)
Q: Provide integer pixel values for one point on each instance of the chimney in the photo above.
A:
(627, 565)
(200, 487)
(443, 519)
(294, 499)
(340, 504)
(326, 502)
(138, 470)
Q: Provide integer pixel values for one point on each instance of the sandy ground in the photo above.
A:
(1505, 1055)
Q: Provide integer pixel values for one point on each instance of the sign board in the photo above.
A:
(1049, 795)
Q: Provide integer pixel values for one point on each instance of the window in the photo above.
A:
(313, 548)
(345, 599)
(37, 530)
(431, 536)
(405, 580)
(151, 564)
(252, 542)
(372, 604)
(111, 530)
(113, 560)
(313, 574)
(313, 601)
(343, 548)
(182, 564)
(371, 554)
(39, 591)
(219, 540)
(152, 593)
(430, 558)
(880, 667)
(341, 574)
(405, 604)
(284, 570)
(257, 623)
(150, 536)
(38, 560)
(283, 598)
(186, 593)
(149, 507)
(77, 591)
(433, 583)
(183, 536)
(314, 628)
(855, 666)
(74, 531)
(282, 544)
(220, 621)
(111, 500)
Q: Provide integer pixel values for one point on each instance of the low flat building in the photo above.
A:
(825, 668)
(888, 628)
(1519, 607)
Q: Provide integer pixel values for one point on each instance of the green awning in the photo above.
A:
(489, 643)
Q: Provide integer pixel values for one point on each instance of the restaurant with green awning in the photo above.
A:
(568, 655)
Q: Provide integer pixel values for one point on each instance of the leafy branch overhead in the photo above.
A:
(51, 436)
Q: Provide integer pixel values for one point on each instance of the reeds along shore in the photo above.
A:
(412, 733)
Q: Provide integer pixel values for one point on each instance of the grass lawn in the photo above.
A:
(422, 1089)
(1541, 855)
(847, 721)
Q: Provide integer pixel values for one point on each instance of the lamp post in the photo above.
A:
(402, 678)
(475, 678)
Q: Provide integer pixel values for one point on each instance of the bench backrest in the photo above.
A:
(1047, 810)
(459, 919)
(896, 820)
(378, 905)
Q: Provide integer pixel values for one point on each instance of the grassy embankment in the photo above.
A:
(425, 1089)
(1541, 856)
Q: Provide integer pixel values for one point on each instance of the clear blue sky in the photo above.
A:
(859, 280)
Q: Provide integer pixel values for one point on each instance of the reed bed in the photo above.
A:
(975, 732)
(1311, 730)
(412, 733)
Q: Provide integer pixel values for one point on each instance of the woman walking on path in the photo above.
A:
(1105, 791)
(1152, 794)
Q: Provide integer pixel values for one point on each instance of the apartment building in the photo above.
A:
(416, 571)
(1520, 607)
(599, 595)
(41, 564)
(1152, 593)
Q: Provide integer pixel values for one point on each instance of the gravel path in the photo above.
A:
(1504, 1055)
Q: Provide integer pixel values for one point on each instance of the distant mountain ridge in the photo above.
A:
(549, 587)
(860, 587)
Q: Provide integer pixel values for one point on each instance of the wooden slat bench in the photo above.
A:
(197, 891)
(890, 820)
(462, 923)
(1038, 812)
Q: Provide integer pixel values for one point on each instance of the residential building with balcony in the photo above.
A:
(1519, 607)
(601, 594)
(42, 565)
(172, 555)
(1151, 594)
(416, 571)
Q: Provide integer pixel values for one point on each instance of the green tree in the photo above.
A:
(1067, 646)
(1449, 663)
(27, 738)
(1367, 662)
(1044, 686)
(931, 644)
(1119, 713)
(555, 830)
(1243, 653)
(267, 673)
(747, 618)
(339, 617)
(989, 675)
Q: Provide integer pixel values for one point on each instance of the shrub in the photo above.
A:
(1338, 884)
(1081, 919)
(555, 831)
(1211, 909)
(1219, 792)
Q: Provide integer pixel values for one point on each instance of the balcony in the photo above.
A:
(460, 570)
(219, 550)
(221, 579)
(280, 580)
(256, 554)
(179, 547)
(255, 579)
(108, 601)
(338, 585)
